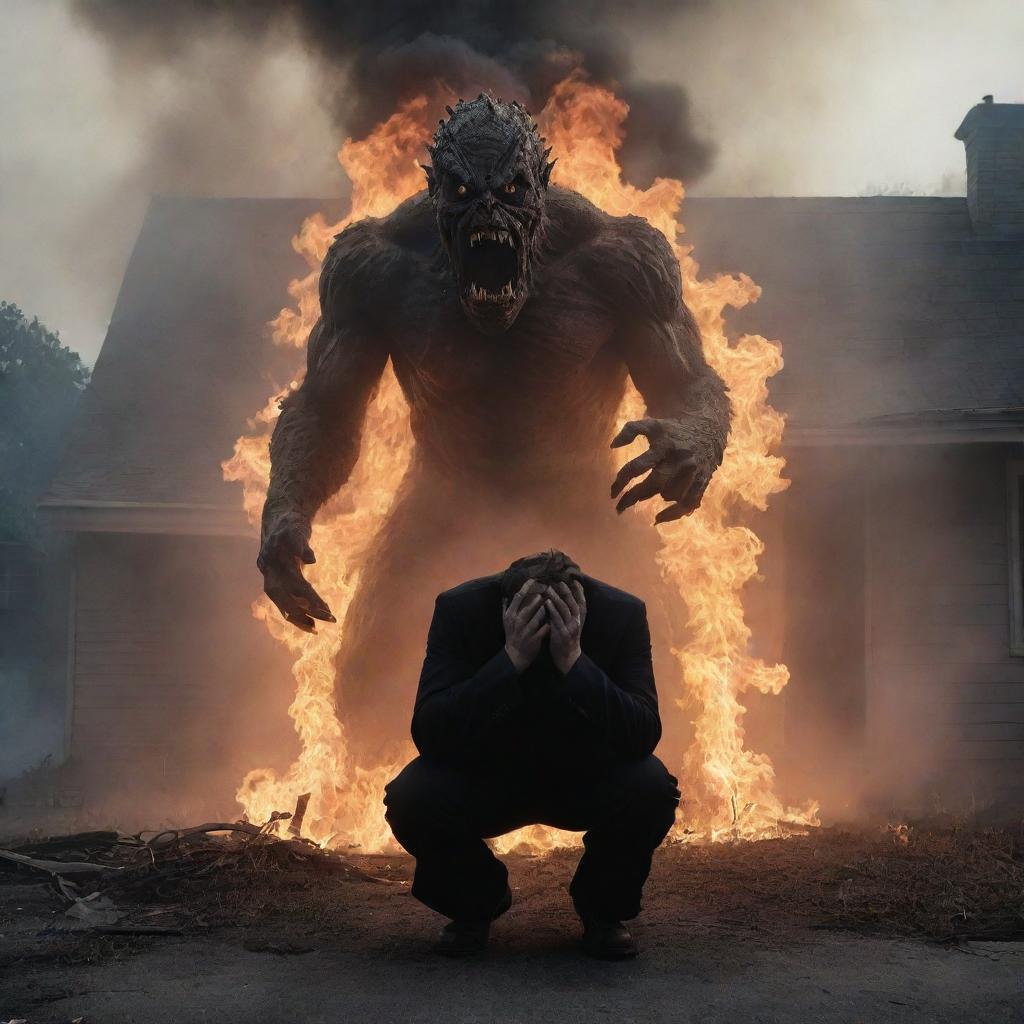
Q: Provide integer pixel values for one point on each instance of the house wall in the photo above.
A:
(176, 689)
(33, 654)
(896, 625)
(945, 698)
(822, 597)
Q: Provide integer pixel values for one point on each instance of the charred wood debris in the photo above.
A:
(122, 884)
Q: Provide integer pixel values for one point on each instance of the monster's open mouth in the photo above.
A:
(490, 266)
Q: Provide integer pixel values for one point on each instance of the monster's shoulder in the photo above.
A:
(573, 221)
(630, 261)
(374, 248)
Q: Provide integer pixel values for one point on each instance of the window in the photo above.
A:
(1015, 519)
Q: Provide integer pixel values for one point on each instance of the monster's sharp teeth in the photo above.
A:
(502, 236)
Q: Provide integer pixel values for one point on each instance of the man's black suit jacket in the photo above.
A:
(473, 709)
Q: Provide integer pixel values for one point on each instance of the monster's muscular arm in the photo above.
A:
(687, 403)
(316, 440)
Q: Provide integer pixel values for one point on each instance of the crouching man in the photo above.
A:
(536, 705)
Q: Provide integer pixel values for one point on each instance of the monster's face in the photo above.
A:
(488, 182)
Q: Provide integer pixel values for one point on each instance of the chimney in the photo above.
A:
(993, 135)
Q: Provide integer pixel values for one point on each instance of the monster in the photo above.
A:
(513, 312)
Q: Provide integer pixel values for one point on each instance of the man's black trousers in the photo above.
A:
(441, 815)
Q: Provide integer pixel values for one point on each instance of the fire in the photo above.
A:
(730, 789)
(705, 557)
(345, 798)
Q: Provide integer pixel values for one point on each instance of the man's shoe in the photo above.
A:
(608, 940)
(463, 938)
(467, 938)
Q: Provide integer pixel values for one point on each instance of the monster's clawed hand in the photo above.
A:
(680, 462)
(284, 550)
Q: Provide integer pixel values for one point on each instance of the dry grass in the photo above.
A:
(943, 883)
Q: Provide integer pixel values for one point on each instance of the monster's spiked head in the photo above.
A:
(488, 181)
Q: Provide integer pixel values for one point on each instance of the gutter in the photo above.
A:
(87, 516)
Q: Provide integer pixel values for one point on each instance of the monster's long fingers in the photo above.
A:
(686, 505)
(633, 429)
(289, 609)
(303, 594)
(647, 488)
(682, 479)
(672, 512)
(635, 467)
(305, 623)
(695, 495)
(314, 605)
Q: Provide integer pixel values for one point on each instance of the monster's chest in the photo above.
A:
(563, 338)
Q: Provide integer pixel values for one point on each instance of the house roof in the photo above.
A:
(186, 361)
(885, 306)
(897, 323)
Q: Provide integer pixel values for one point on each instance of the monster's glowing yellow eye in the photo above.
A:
(510, 188)
(461, 190)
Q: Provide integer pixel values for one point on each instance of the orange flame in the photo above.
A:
(706, 559)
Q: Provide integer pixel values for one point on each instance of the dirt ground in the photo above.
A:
(841, 928)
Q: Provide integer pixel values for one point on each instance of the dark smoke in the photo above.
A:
(374, 55)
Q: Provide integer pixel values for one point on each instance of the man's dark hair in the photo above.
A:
(547, 567)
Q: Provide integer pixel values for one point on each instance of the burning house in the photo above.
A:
(893, 568)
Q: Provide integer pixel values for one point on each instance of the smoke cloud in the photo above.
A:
(110, 101)
(373, 56)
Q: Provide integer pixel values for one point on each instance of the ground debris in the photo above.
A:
(944, 882)
(947, 883)
(114, 883)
